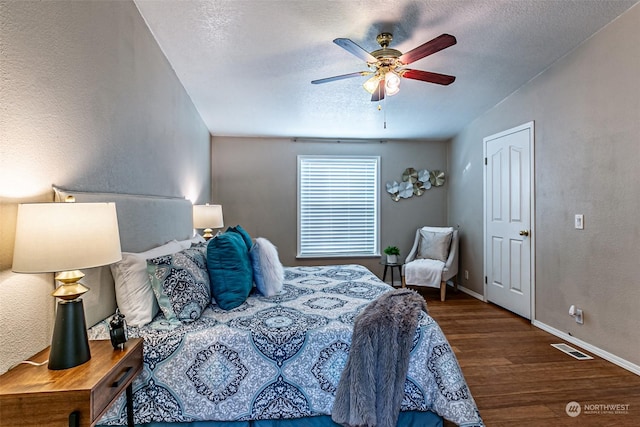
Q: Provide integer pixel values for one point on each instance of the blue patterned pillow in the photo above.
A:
(181, 284)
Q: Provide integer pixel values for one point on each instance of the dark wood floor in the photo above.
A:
(518, 379)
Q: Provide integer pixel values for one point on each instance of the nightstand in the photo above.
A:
(37, 396)
(392, 265)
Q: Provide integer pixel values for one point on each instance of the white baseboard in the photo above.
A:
(632, 367)
(470, 292)
(610, 357)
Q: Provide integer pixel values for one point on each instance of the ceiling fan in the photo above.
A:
(388, 65)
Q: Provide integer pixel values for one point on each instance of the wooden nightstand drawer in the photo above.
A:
(37, 396)
(117, 380)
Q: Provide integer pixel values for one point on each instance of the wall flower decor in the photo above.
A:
(406, 189)
(436, 178)
(423, 175)
(393, 189)
(414, 183)
(410, 175)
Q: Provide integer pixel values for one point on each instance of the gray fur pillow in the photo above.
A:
(268, 273)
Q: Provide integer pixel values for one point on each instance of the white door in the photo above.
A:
(508, 219)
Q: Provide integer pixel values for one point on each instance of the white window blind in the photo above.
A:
(337, 206)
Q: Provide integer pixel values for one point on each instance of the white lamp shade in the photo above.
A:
(392, 83)
(207, 216)
(372, 84)
(53, 237)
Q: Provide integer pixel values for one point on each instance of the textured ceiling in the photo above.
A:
(248, 64)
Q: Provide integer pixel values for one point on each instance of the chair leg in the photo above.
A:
(443, 290)
(404, 283)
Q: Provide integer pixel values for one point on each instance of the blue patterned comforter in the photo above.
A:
(280, 357)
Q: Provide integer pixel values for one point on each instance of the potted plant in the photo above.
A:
(392, 253)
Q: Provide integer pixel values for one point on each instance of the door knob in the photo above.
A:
(524, 232)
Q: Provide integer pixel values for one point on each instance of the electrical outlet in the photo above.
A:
(466, 275)
(577, 314)
(579, 222)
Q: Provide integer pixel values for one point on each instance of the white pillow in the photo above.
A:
(438, 229)
(186, 244)
(268, 272)
(134, 294)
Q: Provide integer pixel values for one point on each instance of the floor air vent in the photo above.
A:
(572, 351)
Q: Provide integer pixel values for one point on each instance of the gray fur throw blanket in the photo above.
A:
(371, 387)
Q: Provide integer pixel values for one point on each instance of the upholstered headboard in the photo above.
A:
(144, 222)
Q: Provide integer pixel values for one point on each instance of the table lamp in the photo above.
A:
(207, 217)
(63, 238)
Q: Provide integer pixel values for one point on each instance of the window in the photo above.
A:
(337, 206)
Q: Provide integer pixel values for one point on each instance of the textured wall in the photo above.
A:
(88, 102)
(255, 180)
(586, 110)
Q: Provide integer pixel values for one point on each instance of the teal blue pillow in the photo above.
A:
(243, 233)
(230, 270)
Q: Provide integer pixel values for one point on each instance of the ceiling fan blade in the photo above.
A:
(351, 47)
(427, 76)
(443, 41)
(378, 94)
(340, 77)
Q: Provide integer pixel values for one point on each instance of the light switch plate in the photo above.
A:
(579, 221)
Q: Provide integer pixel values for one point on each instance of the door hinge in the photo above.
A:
(485, 280)
(485, 161)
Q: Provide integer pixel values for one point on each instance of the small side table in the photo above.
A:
(79, 396)
(392, 265)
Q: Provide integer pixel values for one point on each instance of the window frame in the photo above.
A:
(375, 249)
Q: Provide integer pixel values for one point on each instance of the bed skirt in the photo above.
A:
(406, 419)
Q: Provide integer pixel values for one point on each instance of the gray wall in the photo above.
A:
(586, 109)
(255, 180)
(89, 102)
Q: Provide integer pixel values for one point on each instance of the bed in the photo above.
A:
(270, 361)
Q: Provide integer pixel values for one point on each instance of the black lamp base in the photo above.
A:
(70, 344)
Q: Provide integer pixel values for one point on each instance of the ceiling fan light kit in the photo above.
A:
(388, 65)
(391, 83)
(372, 84)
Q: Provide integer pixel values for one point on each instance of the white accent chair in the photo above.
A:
(433, 260)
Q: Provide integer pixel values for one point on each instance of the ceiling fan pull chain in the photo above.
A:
(385, 113)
